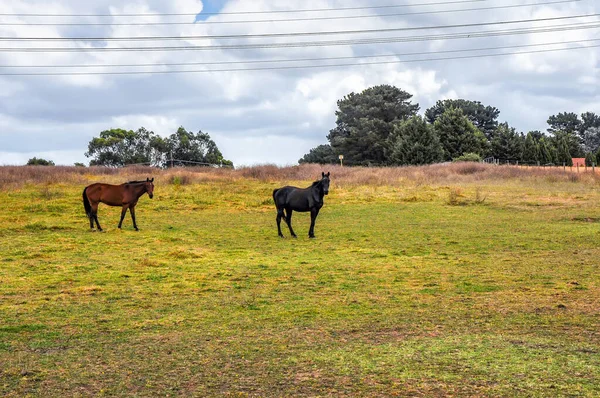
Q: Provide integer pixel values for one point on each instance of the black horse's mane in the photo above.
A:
(316, 183)
(135, 182)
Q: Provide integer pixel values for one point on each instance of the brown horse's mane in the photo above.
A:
(135, 182)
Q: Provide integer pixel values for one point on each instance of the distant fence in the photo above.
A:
(181, 163)
(578, 166)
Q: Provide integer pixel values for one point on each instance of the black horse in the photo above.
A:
(302, 200)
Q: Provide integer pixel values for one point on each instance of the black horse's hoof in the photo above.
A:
(137, 230)
(282, 237)
(312, 237)
(294, 236)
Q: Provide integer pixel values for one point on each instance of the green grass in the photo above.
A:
(419, 290)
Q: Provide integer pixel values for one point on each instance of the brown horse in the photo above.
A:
(125, 195)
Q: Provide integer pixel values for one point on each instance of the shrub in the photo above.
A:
(468, 157)
(454, 197)
(39, 162)
(181, 179)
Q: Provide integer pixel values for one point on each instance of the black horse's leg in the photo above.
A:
(91, 218)
(288, 221)
(96, 218)
(132, 211)
(279, 216)
(123, 212)
(314, 212)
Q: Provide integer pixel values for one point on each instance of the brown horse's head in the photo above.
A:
(149, 187)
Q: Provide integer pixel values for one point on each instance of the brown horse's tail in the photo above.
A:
(86, 203)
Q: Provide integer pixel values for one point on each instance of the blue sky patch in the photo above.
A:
(210, 7)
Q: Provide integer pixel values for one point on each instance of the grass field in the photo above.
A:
(460, 280)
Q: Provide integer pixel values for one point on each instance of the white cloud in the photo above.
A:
(270, 116)
(161, 125)
(59, 157)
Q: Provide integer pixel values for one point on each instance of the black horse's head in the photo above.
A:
(325, 182)
(149, 187)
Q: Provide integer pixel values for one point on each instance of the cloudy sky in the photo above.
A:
(277, 115)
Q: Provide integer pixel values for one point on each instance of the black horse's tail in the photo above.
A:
(274, 198)
(86, 203)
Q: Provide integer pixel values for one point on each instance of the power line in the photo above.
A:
(402, 39)
(295, 67)
(289, 20)
(298, 34)
(245, 12)
(302, 59)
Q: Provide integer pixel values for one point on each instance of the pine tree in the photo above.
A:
(506, 143)
(414, 141)
(530, 150)
(458, 135)
(564, 157)
(553, 153)
(365, 122)
(590, 159)
(545, 157)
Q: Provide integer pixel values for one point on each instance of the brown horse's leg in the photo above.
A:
(132, 211)
(123, 212)
(288, 221)
(95, 215)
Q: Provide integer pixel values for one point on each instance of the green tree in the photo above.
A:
(189, 149)
(544, 154)
(567, 122)
(564, 157)
(589, 159)
(536, 135)
(588, 120)
(507, 143)
(458, 135)
(468, 157)
(322, 154)
(485, 118)
(414, 141)
(366, 120)
(118, 147)
(530, 150)
(568, 125)
(553, 152)
(591, 139)
(39, 162)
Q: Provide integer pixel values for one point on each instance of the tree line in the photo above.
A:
(381, 127)
(119, 147)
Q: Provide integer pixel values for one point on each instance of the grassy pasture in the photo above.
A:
(460, 280)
